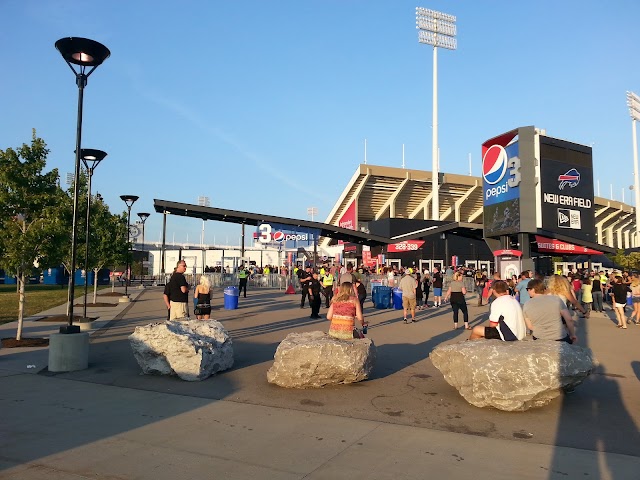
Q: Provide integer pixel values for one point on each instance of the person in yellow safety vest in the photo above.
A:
(266, 271)
(327, 285)
(243, 275)
(322, 271)
(295, 271)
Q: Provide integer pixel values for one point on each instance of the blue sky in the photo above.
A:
(264, 105)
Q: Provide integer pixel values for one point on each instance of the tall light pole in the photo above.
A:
(313, 211)
(633, 101)
(439, 30)
(143, 218)
(84, 53)
(91, 158)
(129, 200)
(203, 202)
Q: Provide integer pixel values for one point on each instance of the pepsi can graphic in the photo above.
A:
(498, 174)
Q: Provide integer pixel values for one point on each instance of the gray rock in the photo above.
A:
(314, 359)
(512, 376)
(191, 349)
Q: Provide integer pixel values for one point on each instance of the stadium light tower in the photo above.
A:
(439, 30)
(633, 102)
(203, 201)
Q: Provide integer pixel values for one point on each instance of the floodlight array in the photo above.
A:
(633, 102)
(425, 12)
(438, 26)
(437, 40)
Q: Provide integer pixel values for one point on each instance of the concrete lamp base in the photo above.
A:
(124, 299)
(68, 352)
(85, 324)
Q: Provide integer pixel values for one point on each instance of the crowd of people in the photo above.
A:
(528, 303)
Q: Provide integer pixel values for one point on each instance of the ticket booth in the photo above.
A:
(508, 263)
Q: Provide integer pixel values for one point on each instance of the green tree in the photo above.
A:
(107, 239)
(630, 261)
(107, 233)
(32, 230)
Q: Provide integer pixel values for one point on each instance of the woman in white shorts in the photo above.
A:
(619, 291)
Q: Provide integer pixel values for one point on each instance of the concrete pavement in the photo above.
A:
(406, 422)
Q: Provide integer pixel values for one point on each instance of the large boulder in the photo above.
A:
(191, 349)
(314, 359)
(512, 376)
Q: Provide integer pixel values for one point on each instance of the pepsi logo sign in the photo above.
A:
(494, 164)
(265, 235)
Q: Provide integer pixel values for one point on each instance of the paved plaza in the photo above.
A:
(111, 422)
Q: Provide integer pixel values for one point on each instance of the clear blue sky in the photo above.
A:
(264, 105)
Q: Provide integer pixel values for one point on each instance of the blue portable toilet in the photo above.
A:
(104, 276)
(80, 277)
(54, 276)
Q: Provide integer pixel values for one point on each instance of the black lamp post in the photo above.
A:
(129, 200)
(91, 158)
(143, 218)
(83, 53)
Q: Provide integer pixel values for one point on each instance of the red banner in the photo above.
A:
(366, 258)
(348, 219)
(556, 246)
(406, 246)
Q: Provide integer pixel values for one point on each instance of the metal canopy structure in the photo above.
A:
(255, 219)
(379, 192)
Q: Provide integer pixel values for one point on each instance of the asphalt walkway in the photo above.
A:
(109, 421)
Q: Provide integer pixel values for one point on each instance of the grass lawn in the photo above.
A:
(37, 298)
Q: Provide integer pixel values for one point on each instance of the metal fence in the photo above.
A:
(278, 281)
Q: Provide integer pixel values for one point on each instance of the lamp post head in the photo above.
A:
(82, 51)
(129, 199)
(143, 217)
(91, 158)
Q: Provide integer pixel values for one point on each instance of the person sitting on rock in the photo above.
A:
(506, 319)
(344, 310)
(547, 315)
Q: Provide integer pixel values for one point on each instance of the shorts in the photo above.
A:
(619, 305)
(492, 333)
(635, 299)
(409, 303)
(437, 292)
(178, 310)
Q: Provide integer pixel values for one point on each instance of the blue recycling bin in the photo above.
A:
(397, 299)
(231, 295)
(381, 297)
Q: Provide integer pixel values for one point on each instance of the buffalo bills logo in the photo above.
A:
(494, 164)
(278, 237)
(571, 179)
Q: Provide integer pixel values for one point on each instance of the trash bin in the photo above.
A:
(381, 297)
(397, 299)
(231, 295)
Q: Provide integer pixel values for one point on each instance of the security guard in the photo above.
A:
(327, 285)
(304, 276)
(243, 276)
(314, 295)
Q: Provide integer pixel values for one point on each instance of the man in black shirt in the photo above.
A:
(305, 277)
(176, 293)
(596, 293)
(437, 281)
(314, 295)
